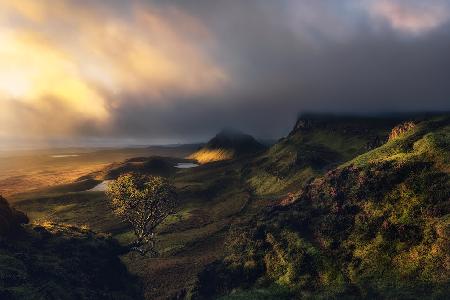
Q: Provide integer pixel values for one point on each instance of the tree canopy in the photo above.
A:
(144, 201)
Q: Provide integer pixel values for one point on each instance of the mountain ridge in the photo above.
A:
(317, 143)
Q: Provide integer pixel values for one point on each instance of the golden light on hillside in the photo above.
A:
(204, 156)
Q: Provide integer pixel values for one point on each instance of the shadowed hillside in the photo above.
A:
(227, 144)
(54, 261)
(155, 165)
(377, 226)
(10, 218)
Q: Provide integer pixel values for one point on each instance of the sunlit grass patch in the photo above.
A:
(204, 156)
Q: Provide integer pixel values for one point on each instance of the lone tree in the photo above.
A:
(144, 201)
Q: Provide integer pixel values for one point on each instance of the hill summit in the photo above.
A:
(227, 144)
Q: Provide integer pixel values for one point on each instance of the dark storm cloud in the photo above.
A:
(284, 57)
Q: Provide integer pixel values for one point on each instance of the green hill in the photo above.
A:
(318, 142)
(377, 226)
(226, 145)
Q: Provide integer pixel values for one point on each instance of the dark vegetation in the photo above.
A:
(337, 209)
(55, 261)
(154, 165)
(158, 166)
(10, 218)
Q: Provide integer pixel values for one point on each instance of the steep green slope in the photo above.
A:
(376, 227)
(316, 144)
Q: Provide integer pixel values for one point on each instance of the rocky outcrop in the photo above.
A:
(401, 129)
(10, 218)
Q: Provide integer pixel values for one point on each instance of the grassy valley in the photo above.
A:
(210, 197)
(224, 150)
(340, 208)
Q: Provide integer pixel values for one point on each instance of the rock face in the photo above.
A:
(227, 144)
(10, 218)
(401, 129)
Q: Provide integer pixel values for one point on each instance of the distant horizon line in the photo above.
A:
(37, 144)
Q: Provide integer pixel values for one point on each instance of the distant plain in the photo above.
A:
(25, 171)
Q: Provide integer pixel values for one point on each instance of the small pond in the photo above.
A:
(64, 155)
(186, 165)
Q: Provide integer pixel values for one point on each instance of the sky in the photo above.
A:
(171, 71)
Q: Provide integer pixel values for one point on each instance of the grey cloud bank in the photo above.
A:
(284, 57)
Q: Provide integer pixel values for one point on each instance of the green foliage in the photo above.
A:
(289, 259)
(145, 202)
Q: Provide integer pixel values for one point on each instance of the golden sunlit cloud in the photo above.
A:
(31, 70)
(63, 64)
